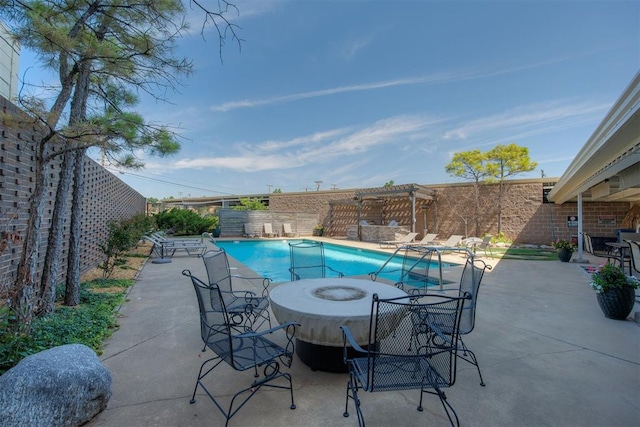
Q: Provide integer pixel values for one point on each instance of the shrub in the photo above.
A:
(185, 222)
(122, 236)
(89, 323)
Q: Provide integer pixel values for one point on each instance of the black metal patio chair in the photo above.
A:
(588, 247)
(246, 308)
(241, 351)
(407, 349)
(470, 281)
(307, 261)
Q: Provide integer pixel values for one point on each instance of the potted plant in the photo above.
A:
(318, 230)
(565, 249)
(615, 291)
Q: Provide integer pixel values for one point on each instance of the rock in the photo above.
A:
(62, 386)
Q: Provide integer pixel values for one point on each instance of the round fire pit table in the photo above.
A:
(321, 306)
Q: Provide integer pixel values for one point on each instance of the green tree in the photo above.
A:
(505, 161)
(250, 204)
(101, 50)
(388, 184)
(473, 166)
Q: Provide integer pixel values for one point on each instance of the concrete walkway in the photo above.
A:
(548, 356)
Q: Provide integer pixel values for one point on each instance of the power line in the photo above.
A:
(171, 182)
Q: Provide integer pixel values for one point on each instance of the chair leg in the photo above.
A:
(447, 407)
(469, 356)
(352, 393)
(252, 389)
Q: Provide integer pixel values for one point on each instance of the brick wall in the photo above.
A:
(106, 198)
(525, 218)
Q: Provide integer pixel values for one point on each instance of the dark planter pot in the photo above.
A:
(617, 303)
(216, 232)
(318, 231)
(564, 255)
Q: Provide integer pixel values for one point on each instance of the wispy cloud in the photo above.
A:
(311, 149)
(436, 78)
(250, 103)
(528, 120)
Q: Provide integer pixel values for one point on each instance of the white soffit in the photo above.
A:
(612, 148)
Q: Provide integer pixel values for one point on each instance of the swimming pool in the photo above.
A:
(270, 258)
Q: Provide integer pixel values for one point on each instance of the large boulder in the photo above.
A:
(62, 386)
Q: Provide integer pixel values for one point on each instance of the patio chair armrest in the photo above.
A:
(347, 338)
(246, 295)
(265, 281)
(289, 326)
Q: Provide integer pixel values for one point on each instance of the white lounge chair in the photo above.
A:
(286, 230)
(249, 231)
(427, 240)
(408, 239)
(268, 230)
(451, 242)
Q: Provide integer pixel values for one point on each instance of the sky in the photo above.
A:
(356, 93)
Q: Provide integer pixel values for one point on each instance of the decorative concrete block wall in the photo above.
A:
(106, 198)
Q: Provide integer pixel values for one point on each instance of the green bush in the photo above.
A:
(184, 222)
(122, 236)
(89, 323)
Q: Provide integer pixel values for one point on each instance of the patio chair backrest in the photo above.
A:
(634, 249)
(215, 327)
(406, 336)
(218, 272)
(470, 284)
(307, 260)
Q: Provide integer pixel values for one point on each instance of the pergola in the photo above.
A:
(417, 194)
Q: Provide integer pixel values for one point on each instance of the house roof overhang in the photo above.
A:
(607, 168)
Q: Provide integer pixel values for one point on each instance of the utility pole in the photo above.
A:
(334, 187)
(318, 185)
(269, 186)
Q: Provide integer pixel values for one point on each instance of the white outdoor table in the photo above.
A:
(321, 306)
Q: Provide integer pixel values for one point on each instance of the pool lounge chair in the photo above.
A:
(427, 240)
(287, 231)
(164, 249)
(249, 231)
(408, 239)
(268, 230)
(451, 242)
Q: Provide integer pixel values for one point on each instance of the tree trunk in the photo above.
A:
(51, 269)
(477, 210)
(72, 289)
(25, 299)
(78, 114)
(500, 196)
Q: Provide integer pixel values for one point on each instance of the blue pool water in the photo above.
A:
(271, 259)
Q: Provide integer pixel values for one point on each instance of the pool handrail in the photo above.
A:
(435, 249)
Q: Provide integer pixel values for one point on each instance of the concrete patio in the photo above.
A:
(548, 356)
